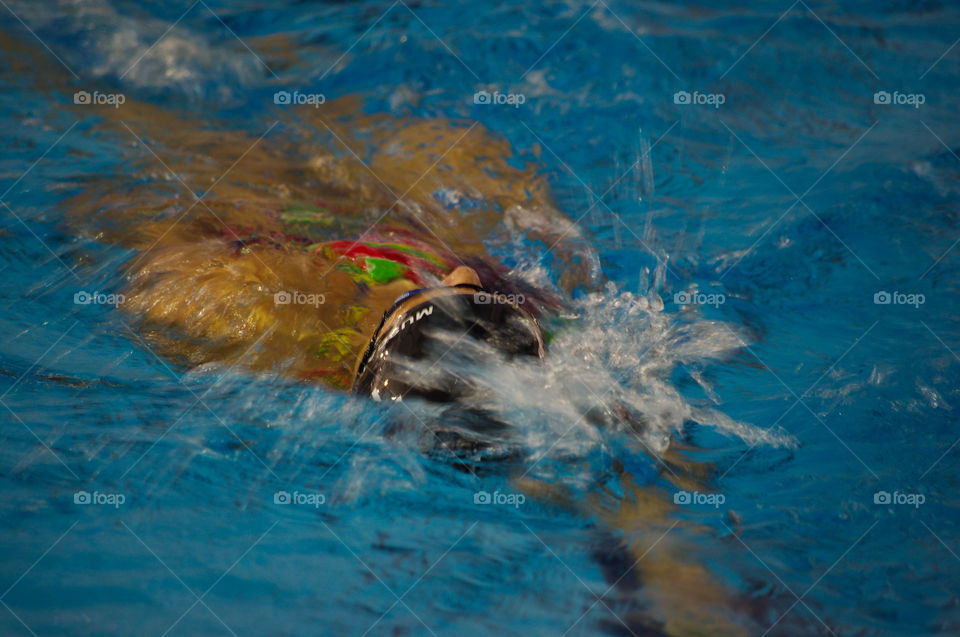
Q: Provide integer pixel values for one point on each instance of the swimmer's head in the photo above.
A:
(423, 328)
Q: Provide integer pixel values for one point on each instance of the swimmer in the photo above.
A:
(290, 260)
(300, 262)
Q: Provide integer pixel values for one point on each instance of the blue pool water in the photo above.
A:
(825, 417)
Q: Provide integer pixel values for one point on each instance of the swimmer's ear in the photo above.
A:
(462, 275)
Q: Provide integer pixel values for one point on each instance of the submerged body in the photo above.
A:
(293, 267)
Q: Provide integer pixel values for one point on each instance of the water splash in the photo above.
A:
(605, 383)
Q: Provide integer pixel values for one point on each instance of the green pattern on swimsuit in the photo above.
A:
(432, 258)
(383, 270)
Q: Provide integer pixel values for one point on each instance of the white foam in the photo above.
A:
(607, 374)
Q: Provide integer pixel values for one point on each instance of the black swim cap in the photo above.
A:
(465, 320)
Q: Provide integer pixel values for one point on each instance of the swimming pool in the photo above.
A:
(770, 192)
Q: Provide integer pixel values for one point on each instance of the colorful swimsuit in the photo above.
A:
(380, 263)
